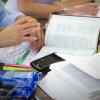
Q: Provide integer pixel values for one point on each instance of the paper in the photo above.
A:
(55, 87)
(94, 62)
(66, 81)
(78, 79)
(72, 35)
(82, 62)
(12, 54)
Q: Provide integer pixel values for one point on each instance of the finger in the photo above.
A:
(24, 20)
(94, 4)
(39, 41)
(28, 31)
(42, 34)
(94, 14)
(33, 44)
(30, 25)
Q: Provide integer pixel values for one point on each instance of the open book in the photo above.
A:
(66, 81)
(71, 35)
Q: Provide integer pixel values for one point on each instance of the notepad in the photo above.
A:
(16, 54)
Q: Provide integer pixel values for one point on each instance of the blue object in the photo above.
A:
(25, 83)
(7, 17)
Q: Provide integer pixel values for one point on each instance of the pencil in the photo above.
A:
(29, 21)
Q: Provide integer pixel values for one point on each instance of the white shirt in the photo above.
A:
(11, 5)
(7, 17)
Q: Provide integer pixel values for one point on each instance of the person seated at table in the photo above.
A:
(43, 8)
(18, 29)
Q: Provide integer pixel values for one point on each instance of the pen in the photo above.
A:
(29, 21)
(13, 65)
(20, 60)
(6, 68)
(21, 66)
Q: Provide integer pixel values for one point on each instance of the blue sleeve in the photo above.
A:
(9, 17)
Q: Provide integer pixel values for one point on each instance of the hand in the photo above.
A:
(87, 9)
(70, 3)
(39, 43)
(18, 31)
(78, 2)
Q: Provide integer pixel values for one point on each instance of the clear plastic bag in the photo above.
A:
(24, 84)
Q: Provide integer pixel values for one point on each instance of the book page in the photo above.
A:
(73, 33)
(78, 79)
(58, 89)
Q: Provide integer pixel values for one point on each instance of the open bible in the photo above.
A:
(71, 35)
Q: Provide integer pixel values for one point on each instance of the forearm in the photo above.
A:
(4, 43)
(3, 40)
(38, 10)
(2, 35)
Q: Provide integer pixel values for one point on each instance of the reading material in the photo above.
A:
(19, 54)
(71, 35)
(72, 83)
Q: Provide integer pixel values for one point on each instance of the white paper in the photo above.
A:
(54, 86)
(79, 79)
(11, 54)
(72, 35)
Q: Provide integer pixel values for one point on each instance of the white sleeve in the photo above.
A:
(11, 5)
(9, 17)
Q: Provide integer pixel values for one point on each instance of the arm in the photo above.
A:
(43, 10)
(36, 9)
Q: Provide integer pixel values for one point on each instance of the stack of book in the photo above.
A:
(67, 82)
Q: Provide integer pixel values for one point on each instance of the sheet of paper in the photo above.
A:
(11, 54)
(78, 79)
(74, 34)
(58, 89)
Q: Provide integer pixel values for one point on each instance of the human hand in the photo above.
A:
(18, 31)
(70, 3)
(39, 43)
(35, 45)
(78, 2)
(86, 9)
